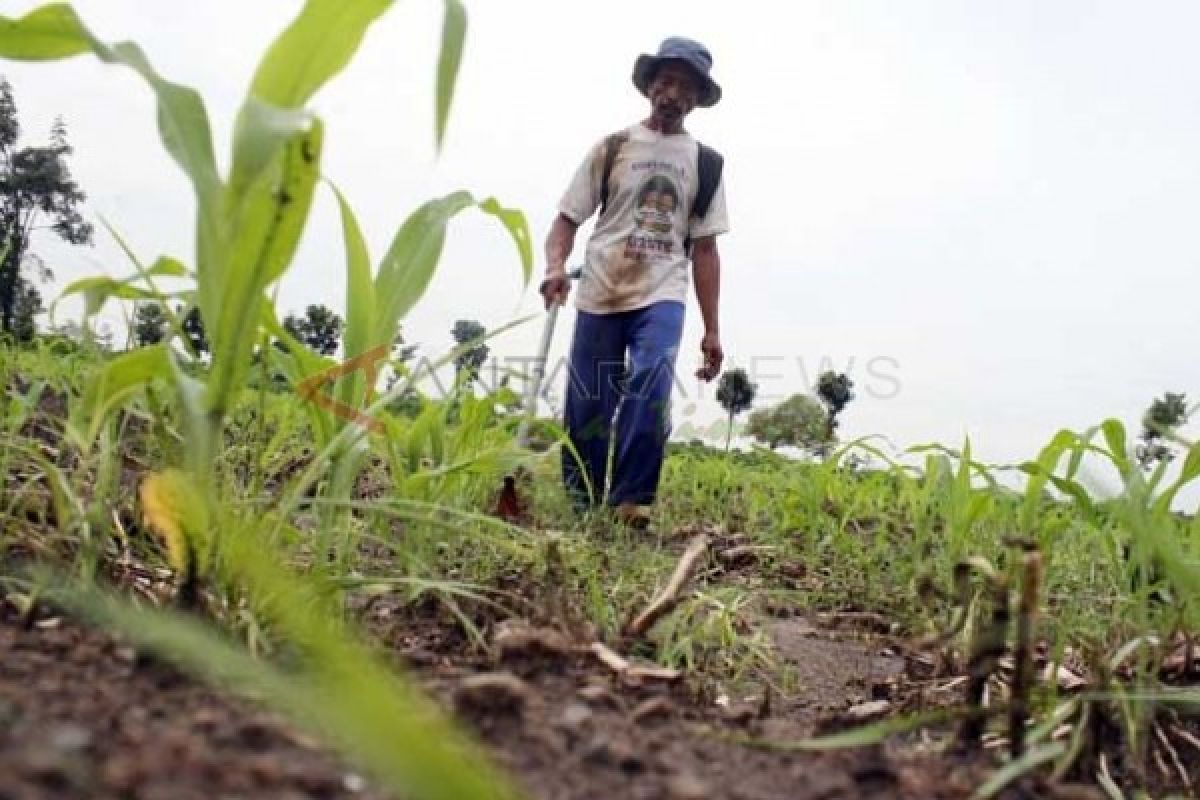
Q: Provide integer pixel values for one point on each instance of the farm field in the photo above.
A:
(234, 566)
(824, 601)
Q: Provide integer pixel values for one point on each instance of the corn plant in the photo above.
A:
(247, 225)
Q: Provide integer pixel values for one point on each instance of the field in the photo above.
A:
(250, 574)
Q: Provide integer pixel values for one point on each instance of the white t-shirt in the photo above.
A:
(636, 254)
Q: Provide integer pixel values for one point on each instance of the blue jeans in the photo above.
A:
(606, 391)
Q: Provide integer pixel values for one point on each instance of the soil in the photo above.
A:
(83, 716)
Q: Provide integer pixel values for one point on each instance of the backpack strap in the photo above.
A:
(709, 164)
(612, 146)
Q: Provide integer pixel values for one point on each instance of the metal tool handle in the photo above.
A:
(538, 373)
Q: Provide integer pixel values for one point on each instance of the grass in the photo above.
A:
(278, 516)
(1118, 582)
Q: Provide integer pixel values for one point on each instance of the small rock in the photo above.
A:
(575, 716)
(493, 692)
(614, 753)
(600, 695)
(740, 713)
(574, 724)
(69, 738)
(686, 786)
(739, 556)
(647, 790)
(353, 783)
(516, 638)
(865, 711)
(654, 708)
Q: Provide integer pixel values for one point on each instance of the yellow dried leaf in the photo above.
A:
(165, 498)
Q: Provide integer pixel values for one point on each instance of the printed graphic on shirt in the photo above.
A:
(658, 203)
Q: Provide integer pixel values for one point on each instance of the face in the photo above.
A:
(673, 92)
(666, 203)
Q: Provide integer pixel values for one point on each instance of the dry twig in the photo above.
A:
(668, 598)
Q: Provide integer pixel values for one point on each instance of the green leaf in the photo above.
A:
(1077, 491)
(1039, 473)
(1189, 473)
(267, 222)
(261, 132)
(514, 221)
(315, 47)
(1118, 453)
(408, 266)
(99, 290)
(360, 302)
(48, 33)
(454, 33)
(110, 386)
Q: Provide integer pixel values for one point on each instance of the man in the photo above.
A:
(647, 182)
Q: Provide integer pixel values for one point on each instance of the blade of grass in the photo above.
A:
(1017, 768)
(454, 32)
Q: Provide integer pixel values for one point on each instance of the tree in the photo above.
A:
(799, 421)
(835, 391)
(735, 393)
(320, 329)
(36, 192)
(1159, 423)
(408, 403)
(468, 362)
(149, 324)
(26, 306)
(193, 329)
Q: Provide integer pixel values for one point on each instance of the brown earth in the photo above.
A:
(83, 716)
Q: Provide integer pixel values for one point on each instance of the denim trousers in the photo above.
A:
(619, 380)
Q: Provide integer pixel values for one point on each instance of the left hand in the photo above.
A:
(710, 347)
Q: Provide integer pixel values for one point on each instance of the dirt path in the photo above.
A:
(83, 717)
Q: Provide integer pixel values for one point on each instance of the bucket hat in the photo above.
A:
(690, 52)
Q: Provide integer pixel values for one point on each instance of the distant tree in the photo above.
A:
(799, 421)
(467, 363)
(402, 351)
(409, 402)
(835, 390)
(1165, 415)
(26, 306)
(735, 393)
(36, 192)
(149, 324)
(320, 329)
(193, 329)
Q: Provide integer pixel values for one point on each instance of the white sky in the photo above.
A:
(965, 205)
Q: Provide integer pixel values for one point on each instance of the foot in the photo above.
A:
(633, 516)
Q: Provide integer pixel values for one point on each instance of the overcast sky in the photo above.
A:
(984, 212)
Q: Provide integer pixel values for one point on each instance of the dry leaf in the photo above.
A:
(164, 497)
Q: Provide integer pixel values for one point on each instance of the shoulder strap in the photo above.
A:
(709, 164)
(612, 146)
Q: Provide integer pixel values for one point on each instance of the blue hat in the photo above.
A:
(690, 52)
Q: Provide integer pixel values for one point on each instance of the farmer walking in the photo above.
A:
(661, 203)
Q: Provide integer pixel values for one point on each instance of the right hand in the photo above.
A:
(555, 287)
